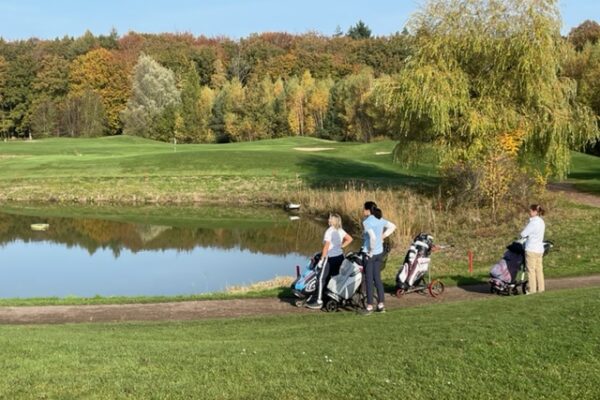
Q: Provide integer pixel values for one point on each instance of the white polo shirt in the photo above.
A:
(534, 232)
(335, 237)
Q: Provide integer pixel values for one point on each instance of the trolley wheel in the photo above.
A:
(515, 291)
(299, 303)
(524, 288)
(357, 300)
(331, 305)
(492, 290)
(400, 292)
(435, 288)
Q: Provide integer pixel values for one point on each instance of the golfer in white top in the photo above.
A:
(534, 248)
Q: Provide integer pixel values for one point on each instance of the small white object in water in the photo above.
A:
(380, 153)
(292, 206)
(294, 217)
(39, 227)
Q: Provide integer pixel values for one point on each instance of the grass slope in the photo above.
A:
(585, 173)
(127, 169)
(543, 346)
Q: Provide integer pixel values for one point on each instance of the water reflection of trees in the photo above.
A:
(303, 236)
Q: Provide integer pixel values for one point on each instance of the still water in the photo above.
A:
(154, 256)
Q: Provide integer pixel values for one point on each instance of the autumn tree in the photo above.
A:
(584, 67)
(228, 120)
(483, 70)
(280, 123)
(16, 95)
(150, 111)
(218, 77)
(83, 115)
(189, 110)
(205, 105)
(49, 90)
(102, 72)
(259, 111)
(3, 78)
(587, 32)
(295, 102)
(307, 102)
(318, 103)
(352, 105)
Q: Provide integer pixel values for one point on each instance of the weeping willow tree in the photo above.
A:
(485, 85)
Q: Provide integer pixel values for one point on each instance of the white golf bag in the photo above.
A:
(416, 262)
(344, 285)
(413, 271)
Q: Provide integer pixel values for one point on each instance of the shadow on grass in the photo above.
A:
(585, 175)
(589, 187)
(285, 295)
(475, 284)
(336, 172)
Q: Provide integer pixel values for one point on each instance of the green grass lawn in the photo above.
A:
(134, 169)
(573, 228)
(585, 173)
(118, 168)
(543, 346)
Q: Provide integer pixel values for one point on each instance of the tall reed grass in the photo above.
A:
(412, 213)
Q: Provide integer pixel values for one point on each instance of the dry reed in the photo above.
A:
(412, 213)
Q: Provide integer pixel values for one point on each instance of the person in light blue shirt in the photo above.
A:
(375, 229)
(534, 248)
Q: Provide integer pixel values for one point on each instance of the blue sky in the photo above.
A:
(21, 19)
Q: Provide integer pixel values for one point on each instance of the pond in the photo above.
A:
(147, 251)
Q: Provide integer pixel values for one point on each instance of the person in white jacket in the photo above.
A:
(534, 248)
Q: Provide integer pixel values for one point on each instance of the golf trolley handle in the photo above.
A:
(437, 247)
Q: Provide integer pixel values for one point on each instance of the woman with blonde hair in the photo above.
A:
(332, 256)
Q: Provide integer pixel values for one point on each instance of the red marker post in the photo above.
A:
(470, 254)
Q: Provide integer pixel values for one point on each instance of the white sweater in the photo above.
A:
(534, 232)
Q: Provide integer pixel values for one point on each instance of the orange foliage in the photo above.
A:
(102, 72)
(510, 142)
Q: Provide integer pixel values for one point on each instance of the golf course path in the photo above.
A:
(196, 310)
(573, 194)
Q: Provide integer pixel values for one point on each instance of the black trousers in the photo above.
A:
(373, 274)
(331, 268)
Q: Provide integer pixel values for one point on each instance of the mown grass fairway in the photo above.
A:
(543, 346)
(128, 169)
(585, 173)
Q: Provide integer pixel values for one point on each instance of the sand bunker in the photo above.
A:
(313, 148)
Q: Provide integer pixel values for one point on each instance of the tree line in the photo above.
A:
(199, 89)
(194, 89)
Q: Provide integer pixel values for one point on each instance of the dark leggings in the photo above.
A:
(373, 273)
(331, 268)
(334, 264)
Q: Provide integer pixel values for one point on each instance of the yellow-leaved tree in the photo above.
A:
(103, 73)
(484, 88)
